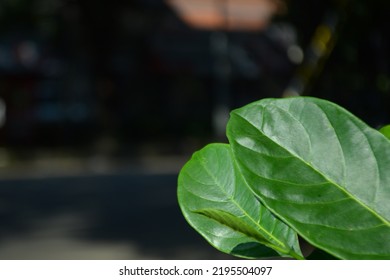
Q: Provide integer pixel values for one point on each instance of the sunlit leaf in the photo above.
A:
(320, 169)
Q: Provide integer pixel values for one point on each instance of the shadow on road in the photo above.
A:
(117, 216)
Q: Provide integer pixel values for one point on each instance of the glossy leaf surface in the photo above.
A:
(320, 169)
(216, 202)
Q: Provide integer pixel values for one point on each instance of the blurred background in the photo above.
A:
(102, 102)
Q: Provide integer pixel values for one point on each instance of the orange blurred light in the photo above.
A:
(234, 15)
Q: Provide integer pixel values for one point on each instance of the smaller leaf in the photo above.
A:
(386, 131)
(216, 201)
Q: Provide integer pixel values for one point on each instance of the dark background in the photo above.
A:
(104, 101)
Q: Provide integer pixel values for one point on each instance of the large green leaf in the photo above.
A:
(320, 169)
(216, 201)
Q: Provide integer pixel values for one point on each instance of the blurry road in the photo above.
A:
(116, 215)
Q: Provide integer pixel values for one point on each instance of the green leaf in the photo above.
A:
(320, 169)
(386, 131)
(216, 202)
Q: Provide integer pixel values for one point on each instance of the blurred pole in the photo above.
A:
(222, 70)
(3, 111)
(318, 51)
(219, 43)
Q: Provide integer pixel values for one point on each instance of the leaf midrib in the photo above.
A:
(284, 248)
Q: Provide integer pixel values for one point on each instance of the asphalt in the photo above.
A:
(104, 213)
